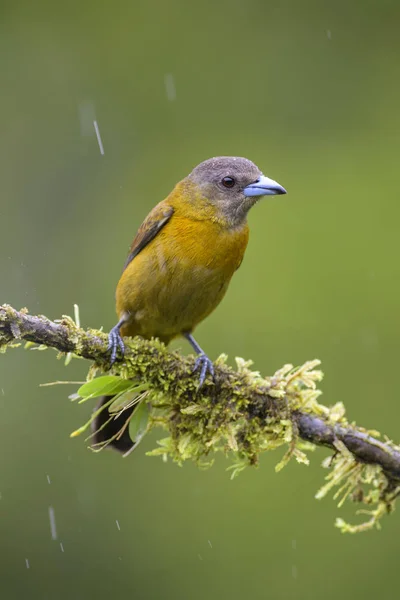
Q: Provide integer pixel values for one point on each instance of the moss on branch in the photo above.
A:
(240, 413)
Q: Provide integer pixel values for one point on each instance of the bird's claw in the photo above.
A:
(115, 343)
(205, 365)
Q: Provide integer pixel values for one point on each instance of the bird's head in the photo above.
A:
(232, 185)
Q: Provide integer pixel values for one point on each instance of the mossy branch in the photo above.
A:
(239, 413)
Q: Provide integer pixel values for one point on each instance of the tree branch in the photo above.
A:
(247, 412)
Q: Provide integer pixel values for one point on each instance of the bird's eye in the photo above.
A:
(228, 182)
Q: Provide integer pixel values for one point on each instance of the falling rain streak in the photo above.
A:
(52, 519)
(170, 87)
(96, 128)
(87, 115)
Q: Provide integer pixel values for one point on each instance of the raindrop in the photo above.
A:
(87, 116)
(27, 563)
(52, 520)
(170, 87)
(48, 479)
(61, 547)
(96, 128)
(117, 522)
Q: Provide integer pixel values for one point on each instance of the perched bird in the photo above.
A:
(181, 262)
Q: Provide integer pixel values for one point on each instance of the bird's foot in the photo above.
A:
(205, 365)
(115, 343)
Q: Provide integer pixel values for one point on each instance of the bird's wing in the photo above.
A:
(153, 223)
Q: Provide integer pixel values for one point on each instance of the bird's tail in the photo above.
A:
(112, 431)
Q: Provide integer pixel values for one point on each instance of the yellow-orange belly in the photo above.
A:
(179, 277)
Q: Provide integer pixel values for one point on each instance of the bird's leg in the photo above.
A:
(203, 363)
(115, 341)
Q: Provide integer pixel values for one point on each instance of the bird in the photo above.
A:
(179, 267)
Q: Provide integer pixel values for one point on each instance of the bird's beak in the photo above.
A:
(264, 186)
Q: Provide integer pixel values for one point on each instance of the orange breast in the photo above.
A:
(179, 277)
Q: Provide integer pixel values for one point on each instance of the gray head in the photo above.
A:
(233, 185)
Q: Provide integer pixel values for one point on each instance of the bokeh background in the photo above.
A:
(310, 91)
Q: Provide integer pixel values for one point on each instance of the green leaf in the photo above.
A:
(108, 385)
(139, 422)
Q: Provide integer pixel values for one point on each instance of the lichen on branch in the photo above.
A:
(240, 413)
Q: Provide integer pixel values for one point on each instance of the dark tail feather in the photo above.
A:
(102, 435)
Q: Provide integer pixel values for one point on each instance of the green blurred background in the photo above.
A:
(310, 91)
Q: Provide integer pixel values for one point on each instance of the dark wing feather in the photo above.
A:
(154, 222)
